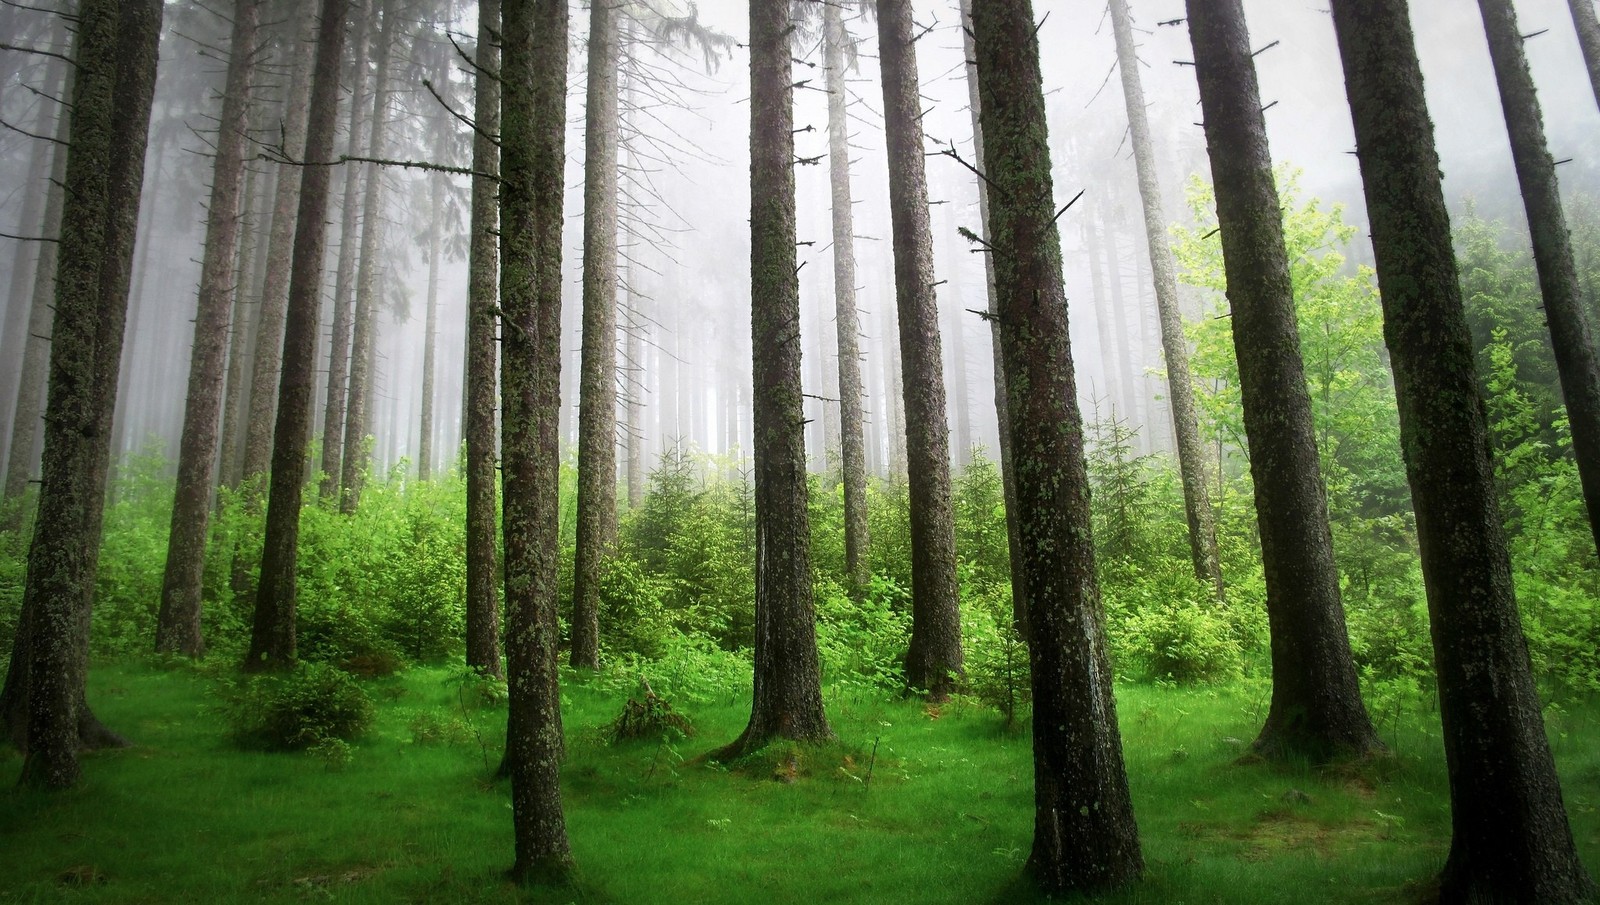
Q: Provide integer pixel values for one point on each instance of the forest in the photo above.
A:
(794, 451)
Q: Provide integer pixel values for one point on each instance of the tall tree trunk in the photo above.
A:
(1174, 344)
(847, 321)
(482, 440)
(1571, 338)
(597, 403)
(246, 296)
(117, 48)
(1588, 26)
(933, 661)
(1127, 376)
(267, 362)
(533, 141)
(272, 639)
(633, 375)
(178, 620)
(1008, 478)
(1511, 841)
(893, 397)
(333, 409)
(787, 700)
(1316, 709)
(431, 326)
(1084, 835)
(363, 343)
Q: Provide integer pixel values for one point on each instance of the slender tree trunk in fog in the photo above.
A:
(933, 661)
(178, 621)
(1019, 597)
(431, 325)
(1510, 838)
(333, 409)
(847, 322)
(240, 330)
(1174, 344)
(633, 380)
(787, 699)
(597, 403)
(1316, 709)
(483, 277)
(269, 350)
(358, 404)
(115, 61)
(892, 395)
(533, 140)
(1084, 835)
(1571, 338)
(272, 639)
(1588, 26)
(1127, 378)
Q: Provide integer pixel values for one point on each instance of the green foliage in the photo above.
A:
(979, 506)
(998, 673)
(1165, 625)
(306, 708)
(862, 643)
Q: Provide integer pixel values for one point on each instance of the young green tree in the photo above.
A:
(1084, 835)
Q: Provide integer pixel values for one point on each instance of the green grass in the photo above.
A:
(946, 817)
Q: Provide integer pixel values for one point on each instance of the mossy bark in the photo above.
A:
(1588, 27)
(1174, 344)
(1085, 837)
(533, 142)
(1316, 710)
(482, 434)
(787, 699)
(272, 638)
(1511, 841)
(933, 661)
(178, 620)
(597, 392)
(117, 44)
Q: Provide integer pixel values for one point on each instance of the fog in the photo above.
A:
(686, 194)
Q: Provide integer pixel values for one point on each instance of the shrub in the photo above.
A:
(862, 643)
(301, 709)
(1183, 641)
(998, 672)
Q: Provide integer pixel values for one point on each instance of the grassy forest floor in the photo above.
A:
(941, 813)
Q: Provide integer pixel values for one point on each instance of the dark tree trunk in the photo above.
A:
(847, 321)
(597, 403)
(117, 46)
(272, 639)
(178, 621)
(787, 701)
(933, 662)
(363, 343)
(246, 296)
(533, 142)
(1588, 26)
(1084, 835)
(1175, 345)
(1019, 596)
(333, 408)
(482, 440)
(1511, 841)
(1571, 338)
(1316, 709)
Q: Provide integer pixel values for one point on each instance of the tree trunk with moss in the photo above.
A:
(1174, 344)
(1511, 841)
(787, 699)
(1316, 710)
(272, 638)
(483, 276)
(1566, 310)
(178, 620)
(597, 403)
(115, 63)
(533, 142)
(1084, 834)
(933, 662)
(1588, 26)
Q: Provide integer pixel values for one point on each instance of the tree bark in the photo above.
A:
(1008, 478)
(357, 414)
(431, 323)
(1174, 344)
(1571, 337)
(1588, 27)
(933, 662)
(272, 639)
(1316, 709)
(787, 700)
(115, 63)
(533, 141)
(242, 326)
(847, 321)
(633, 378)
(597, 404)
(1084, 834)
(178, 620)
(1511, 841)
(482, 440)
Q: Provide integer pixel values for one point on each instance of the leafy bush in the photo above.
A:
(998, 673)
(297, 710)
(862, 643)
(1185, 642)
